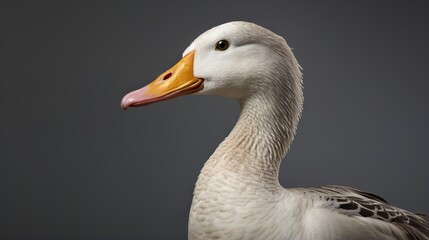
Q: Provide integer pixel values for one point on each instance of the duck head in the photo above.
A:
(235, 59)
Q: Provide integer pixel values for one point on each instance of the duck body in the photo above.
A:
(237, 194)
(287, 215)
(291, 214)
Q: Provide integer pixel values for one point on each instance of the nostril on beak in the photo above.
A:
(167, 76)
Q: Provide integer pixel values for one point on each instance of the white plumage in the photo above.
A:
(237, 195)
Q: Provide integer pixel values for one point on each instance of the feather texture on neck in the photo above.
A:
(267, 123)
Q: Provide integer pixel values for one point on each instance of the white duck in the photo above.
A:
(238, 195)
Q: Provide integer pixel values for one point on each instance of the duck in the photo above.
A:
(237, 194)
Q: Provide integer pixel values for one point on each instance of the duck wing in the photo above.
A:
(354, 202)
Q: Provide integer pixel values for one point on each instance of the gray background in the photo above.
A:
(76, 166)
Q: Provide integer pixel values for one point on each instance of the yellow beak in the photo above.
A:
(176, 81)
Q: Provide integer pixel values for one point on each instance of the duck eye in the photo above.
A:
(222, 45)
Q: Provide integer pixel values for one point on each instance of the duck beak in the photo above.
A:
(176, 81)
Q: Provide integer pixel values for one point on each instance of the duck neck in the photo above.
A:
(259, 141)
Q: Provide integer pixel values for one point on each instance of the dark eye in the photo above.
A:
(222, 45)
